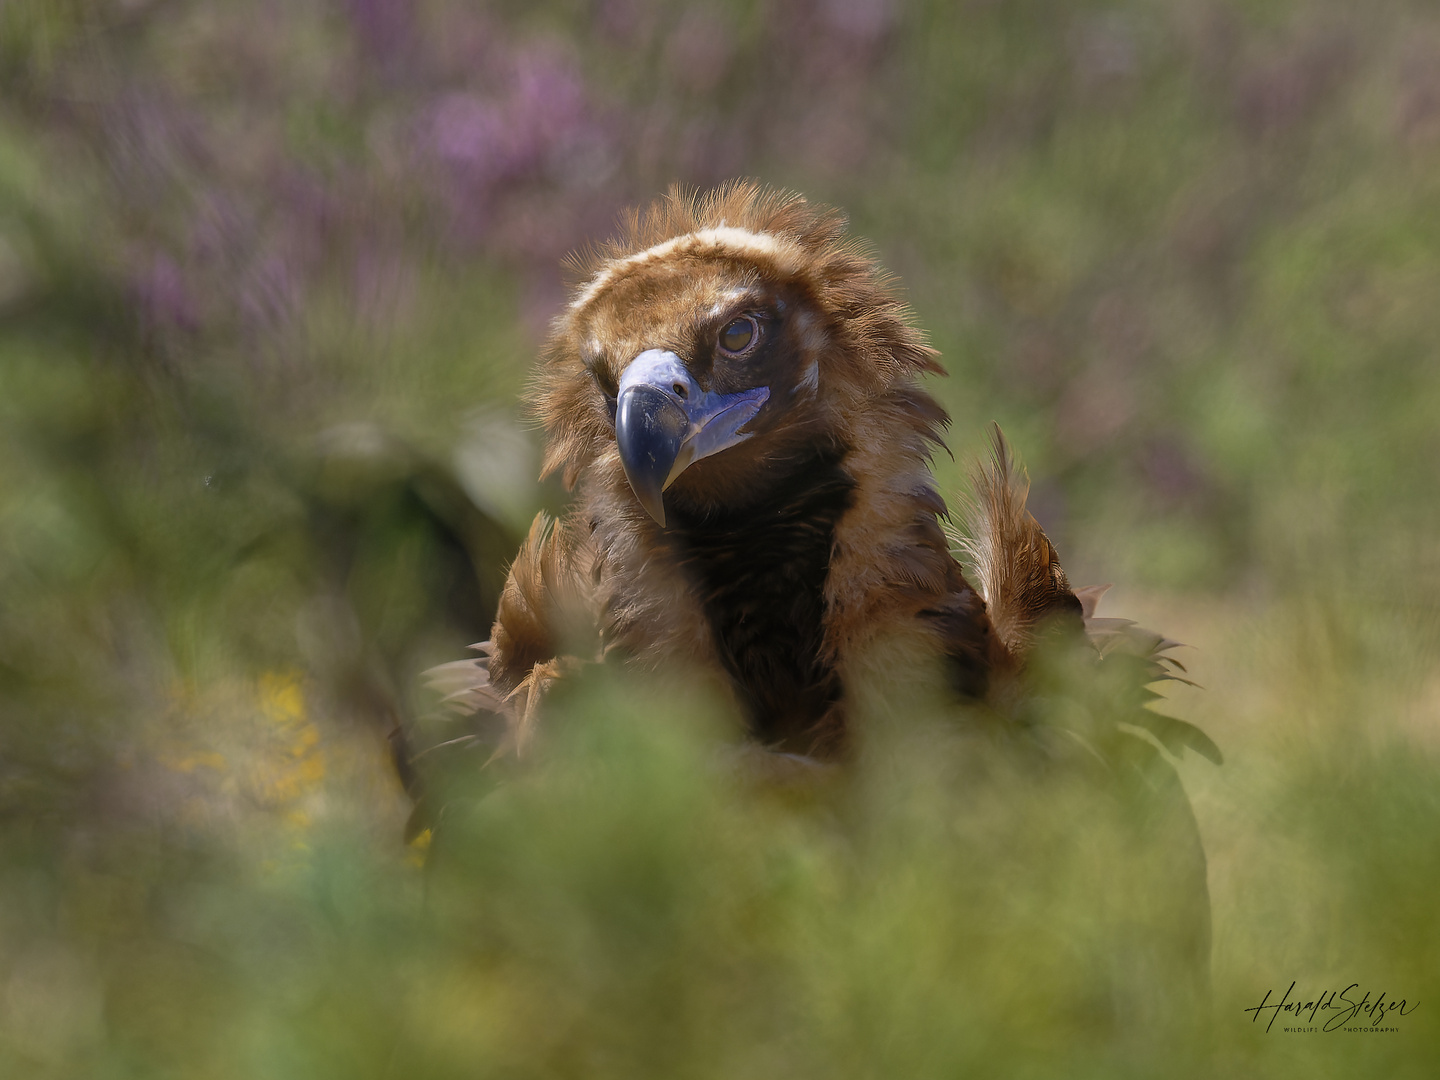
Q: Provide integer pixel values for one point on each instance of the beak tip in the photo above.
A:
(648, 493)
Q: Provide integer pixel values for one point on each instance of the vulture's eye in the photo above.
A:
(739, 336)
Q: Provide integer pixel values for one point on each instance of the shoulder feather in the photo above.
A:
(1015, 566)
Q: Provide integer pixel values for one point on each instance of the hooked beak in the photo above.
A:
(664, 423)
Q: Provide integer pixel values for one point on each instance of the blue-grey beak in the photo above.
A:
(664, 423)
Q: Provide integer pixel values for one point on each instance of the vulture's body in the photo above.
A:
(733, 395)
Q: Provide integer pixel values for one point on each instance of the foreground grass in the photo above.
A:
(623, 908)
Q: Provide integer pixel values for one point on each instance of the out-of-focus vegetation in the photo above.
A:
(270, 278)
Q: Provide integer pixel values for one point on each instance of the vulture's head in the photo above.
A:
(714, 348)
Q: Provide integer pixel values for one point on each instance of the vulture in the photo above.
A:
(733, 396)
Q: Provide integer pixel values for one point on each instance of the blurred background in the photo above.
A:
(271, 277)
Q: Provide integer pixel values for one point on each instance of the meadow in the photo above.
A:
(271, 280)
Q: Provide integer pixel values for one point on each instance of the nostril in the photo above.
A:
(681, 391)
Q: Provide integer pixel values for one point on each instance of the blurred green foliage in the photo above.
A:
(271, 276)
